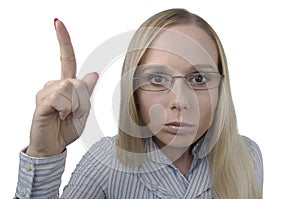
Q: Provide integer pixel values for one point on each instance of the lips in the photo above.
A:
(178, 127)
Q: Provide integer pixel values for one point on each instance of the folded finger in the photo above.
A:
(55, 103)
(64, 88)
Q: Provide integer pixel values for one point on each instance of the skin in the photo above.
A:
(180, 103)
(62, 106)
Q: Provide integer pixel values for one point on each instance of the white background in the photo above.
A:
(261, 40)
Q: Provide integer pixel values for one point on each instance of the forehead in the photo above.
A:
(182, 45)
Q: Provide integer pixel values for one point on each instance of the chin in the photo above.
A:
(176, 141)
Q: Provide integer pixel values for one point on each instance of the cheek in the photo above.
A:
(207, 105)
(151, 107)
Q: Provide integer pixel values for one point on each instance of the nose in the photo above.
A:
(180, 95)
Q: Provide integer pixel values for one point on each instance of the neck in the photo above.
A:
(180, 156)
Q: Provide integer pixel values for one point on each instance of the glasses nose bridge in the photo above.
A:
(179, 77)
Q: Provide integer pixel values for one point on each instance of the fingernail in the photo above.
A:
(55, 20)
(62, 117)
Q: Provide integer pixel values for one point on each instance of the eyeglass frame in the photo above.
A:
(185, 77)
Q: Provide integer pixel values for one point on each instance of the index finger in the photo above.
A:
(67, 55)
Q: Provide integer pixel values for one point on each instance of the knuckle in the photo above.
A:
(38, 95)
(37, 99)
(38, 102)
(71, 58)
(49, 83)
(65, 86)
(53, 96)
(52, 99)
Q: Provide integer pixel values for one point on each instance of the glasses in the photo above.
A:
(159, 81)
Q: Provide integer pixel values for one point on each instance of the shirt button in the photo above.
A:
(27, 167)
(23, 191)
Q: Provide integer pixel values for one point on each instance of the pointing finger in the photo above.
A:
(67, 55)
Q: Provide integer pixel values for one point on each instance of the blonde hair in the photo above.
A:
(231, 166)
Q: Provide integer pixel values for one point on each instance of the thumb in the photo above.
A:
(90, 80)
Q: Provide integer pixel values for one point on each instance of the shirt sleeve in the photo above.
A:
(40, 177)
(257, 159)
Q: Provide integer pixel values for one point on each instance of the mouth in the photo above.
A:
(178, 127)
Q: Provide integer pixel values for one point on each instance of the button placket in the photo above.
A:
(23, 191)
(27, 166)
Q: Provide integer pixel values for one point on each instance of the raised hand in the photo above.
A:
(62, 106)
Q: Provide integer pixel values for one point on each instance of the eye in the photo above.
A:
(158, 78)
(197, 78)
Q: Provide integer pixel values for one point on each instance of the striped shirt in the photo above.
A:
(100, 175)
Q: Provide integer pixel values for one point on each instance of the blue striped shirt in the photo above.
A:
(100, 175)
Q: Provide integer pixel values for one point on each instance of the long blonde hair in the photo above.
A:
(231, 166)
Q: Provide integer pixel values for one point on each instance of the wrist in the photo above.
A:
(33, 152)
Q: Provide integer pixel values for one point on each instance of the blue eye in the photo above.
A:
(158, 78)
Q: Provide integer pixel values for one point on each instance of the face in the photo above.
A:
(178, 116)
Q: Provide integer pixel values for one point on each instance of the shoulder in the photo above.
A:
(105, 143)
(256, 155)
(99, 157)
(102, 151)
(253, 148)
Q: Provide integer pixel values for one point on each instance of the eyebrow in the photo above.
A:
(205, 67)
(163, 68)
(154, 66)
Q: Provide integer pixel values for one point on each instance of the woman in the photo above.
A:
(177, 137)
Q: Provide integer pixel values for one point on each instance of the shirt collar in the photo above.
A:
(197, 148)
(156, 155)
